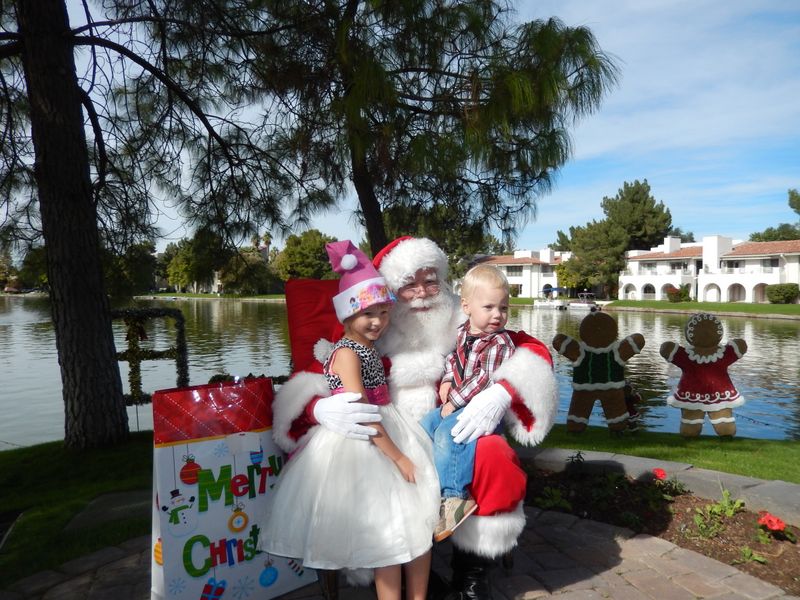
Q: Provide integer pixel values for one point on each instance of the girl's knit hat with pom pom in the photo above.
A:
(361, 286)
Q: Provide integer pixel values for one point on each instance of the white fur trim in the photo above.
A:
(360, 296)
(492, 536)
(575, 419)
(722, 420)
(619, 419)
(323, 349)
(290, 402)
(408, 257)
(534, 380)
(704, 406)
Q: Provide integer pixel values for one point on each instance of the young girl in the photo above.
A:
(351, 504)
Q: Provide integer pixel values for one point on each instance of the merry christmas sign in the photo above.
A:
(215, 467)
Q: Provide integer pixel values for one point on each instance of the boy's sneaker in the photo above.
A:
(452, 513)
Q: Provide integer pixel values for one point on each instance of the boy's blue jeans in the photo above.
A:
(454, 462)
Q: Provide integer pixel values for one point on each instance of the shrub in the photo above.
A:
(673, 294)
(680, 294)
(783, 293)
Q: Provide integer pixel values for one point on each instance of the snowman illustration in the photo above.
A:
(181, 520)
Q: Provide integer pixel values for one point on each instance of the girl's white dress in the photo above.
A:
(343, 504)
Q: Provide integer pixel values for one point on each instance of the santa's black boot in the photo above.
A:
(470, 576)
(438, 588)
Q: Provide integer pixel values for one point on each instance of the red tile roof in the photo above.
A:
(765, 248)
(691, 252)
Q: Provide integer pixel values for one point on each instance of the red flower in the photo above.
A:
(659, 473)
(771, 522)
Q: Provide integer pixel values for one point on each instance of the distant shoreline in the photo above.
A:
(606, 305)
(693, 311)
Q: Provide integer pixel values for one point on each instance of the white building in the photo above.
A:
(530, 274)
(718, 269)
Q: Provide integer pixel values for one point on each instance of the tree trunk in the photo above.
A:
(370, 208)
(95, 412)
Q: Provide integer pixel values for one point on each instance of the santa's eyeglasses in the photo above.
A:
(410, 290)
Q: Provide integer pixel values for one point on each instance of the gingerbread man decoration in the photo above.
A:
(705, 387)
(598, 370)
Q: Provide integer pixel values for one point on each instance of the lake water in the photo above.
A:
(241, 337)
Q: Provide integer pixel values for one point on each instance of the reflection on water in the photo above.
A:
(223, 336)
(241, 337)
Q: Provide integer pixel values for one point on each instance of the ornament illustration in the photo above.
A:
(239, 519)
(269, 575)
(190, 470)
(158, 553)
(257, 457)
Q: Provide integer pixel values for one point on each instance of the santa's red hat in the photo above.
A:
(361, 286)
(403, 257)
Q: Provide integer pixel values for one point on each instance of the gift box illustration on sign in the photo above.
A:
(214, 469)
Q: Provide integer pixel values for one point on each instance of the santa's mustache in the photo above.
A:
(429, 302)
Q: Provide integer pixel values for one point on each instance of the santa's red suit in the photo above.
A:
(419, 337)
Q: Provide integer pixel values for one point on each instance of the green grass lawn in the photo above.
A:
(763, 459)
(50, 485)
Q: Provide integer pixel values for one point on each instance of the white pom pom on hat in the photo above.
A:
(349, 261)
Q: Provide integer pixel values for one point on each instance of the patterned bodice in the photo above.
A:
(372, 373)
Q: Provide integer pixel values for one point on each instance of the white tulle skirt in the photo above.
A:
(343, 504)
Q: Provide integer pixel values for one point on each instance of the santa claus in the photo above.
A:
(421, 334)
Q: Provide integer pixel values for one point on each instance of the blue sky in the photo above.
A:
(707, 109)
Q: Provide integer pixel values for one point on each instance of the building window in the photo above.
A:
(770, 262)
(514, 271)
(547, 269)
(677, 267)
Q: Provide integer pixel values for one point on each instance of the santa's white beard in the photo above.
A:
(412, 328)
(417, 342)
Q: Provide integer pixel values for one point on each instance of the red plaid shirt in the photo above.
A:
(471, 366)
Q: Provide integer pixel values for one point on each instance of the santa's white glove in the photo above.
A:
(343, 413)
(482, 415)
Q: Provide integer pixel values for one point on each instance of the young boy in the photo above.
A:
(482, 346)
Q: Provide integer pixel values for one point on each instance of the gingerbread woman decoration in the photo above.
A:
(598, 370)
(705, 387)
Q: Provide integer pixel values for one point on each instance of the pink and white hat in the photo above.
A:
(361, 286)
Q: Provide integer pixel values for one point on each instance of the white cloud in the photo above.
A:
(706, 110)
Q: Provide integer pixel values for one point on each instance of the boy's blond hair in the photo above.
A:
(483, 275)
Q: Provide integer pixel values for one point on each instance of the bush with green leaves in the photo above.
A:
(783, 293)
(678, 294)
(673, 294)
